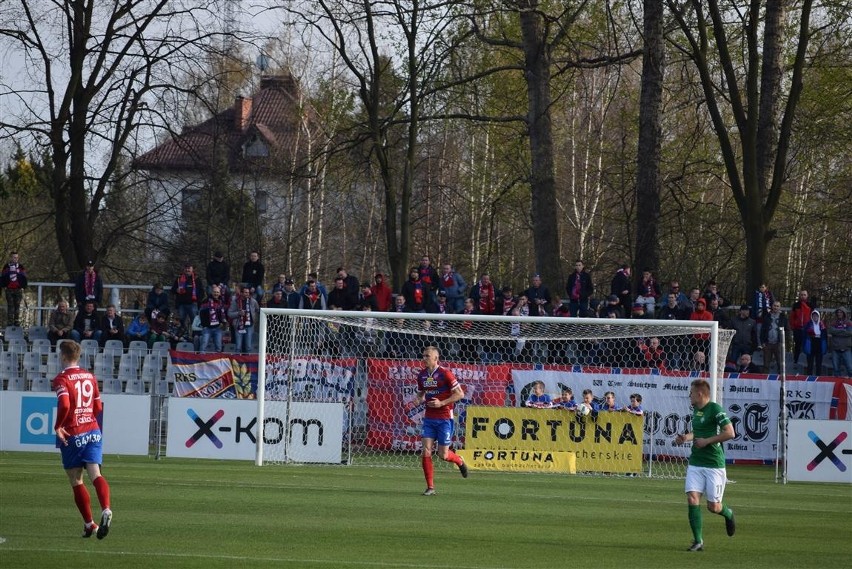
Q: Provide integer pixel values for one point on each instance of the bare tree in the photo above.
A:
(650, 135)
(90, 71)
(746, 88)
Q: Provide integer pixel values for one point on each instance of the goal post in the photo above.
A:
(338, 386)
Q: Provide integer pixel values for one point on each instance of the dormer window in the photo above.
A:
(255, 148)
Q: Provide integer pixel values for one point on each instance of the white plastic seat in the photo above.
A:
(90, 348)
(9, 372)
(139, 349)
(32, 368)
(13, 333)
(41, 346)
(53, 364)
(37, 333)
(185, 347)
(104, 368)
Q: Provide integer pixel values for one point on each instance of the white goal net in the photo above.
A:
(338, 387)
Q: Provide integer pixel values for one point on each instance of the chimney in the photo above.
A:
(242, 112)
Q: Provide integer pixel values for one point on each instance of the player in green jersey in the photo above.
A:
(706, 471)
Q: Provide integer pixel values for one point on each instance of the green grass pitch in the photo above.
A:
(209, 514)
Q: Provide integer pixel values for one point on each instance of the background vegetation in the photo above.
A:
(501, 137)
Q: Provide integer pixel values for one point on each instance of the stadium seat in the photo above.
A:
(128, 368)
(41, 346)
(17, 345)
(151, 370)
(10, 372)
(229, 348)
(111, 386)
(104, 368)
(185, 347)
(32, 368)
(90, 348)
(13, 333)
(37, 333)
(139, 348)
(53, 364)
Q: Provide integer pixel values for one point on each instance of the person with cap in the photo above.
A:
(507, 301)
(744, 339)
(88, 286)
(277, 300)
(367, 297)
(158, 299)
(218, 273)
(415, 293)
(612, 308)
(290, 294)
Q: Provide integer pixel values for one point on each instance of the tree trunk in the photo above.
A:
(543, 211)
(650, 133)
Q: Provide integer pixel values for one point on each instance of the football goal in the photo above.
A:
(339, 387)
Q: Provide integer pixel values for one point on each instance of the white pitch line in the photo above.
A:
(248, 559)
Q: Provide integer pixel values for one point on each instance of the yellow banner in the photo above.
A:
(520, 460)
(605, 442)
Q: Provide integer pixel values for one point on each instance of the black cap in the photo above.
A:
(90, 263)
(745, 307)
(612, 298)
(288, 281)
(218, 254)
(442, 293)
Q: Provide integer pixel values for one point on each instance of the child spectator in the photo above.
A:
(538, 398)
(635, 406)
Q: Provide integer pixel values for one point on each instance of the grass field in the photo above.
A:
(182, 513)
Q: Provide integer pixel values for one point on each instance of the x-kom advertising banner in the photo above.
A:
(228, 429)
(819, 451)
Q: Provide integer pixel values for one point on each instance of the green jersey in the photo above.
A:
(707, 422)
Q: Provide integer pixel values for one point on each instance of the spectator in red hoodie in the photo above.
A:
(382, 292)
(800, 316)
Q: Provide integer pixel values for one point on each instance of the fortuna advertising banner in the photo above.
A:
(753, 406)
(602, 442)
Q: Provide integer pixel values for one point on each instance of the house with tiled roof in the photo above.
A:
(262, 141)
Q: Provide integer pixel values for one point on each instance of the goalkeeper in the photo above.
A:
(706, 471)
(438, 387)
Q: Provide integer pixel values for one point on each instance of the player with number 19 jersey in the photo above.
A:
(438, 384)
(78, 401)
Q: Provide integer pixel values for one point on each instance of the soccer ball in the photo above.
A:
(583, 410)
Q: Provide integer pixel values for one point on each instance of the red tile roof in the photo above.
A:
(274, 116)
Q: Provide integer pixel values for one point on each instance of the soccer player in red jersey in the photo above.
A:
(78, 436)
(438, 387)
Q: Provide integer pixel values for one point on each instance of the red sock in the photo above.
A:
(102, 488)
(428, 471)
(454, 458)
(81, 498)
